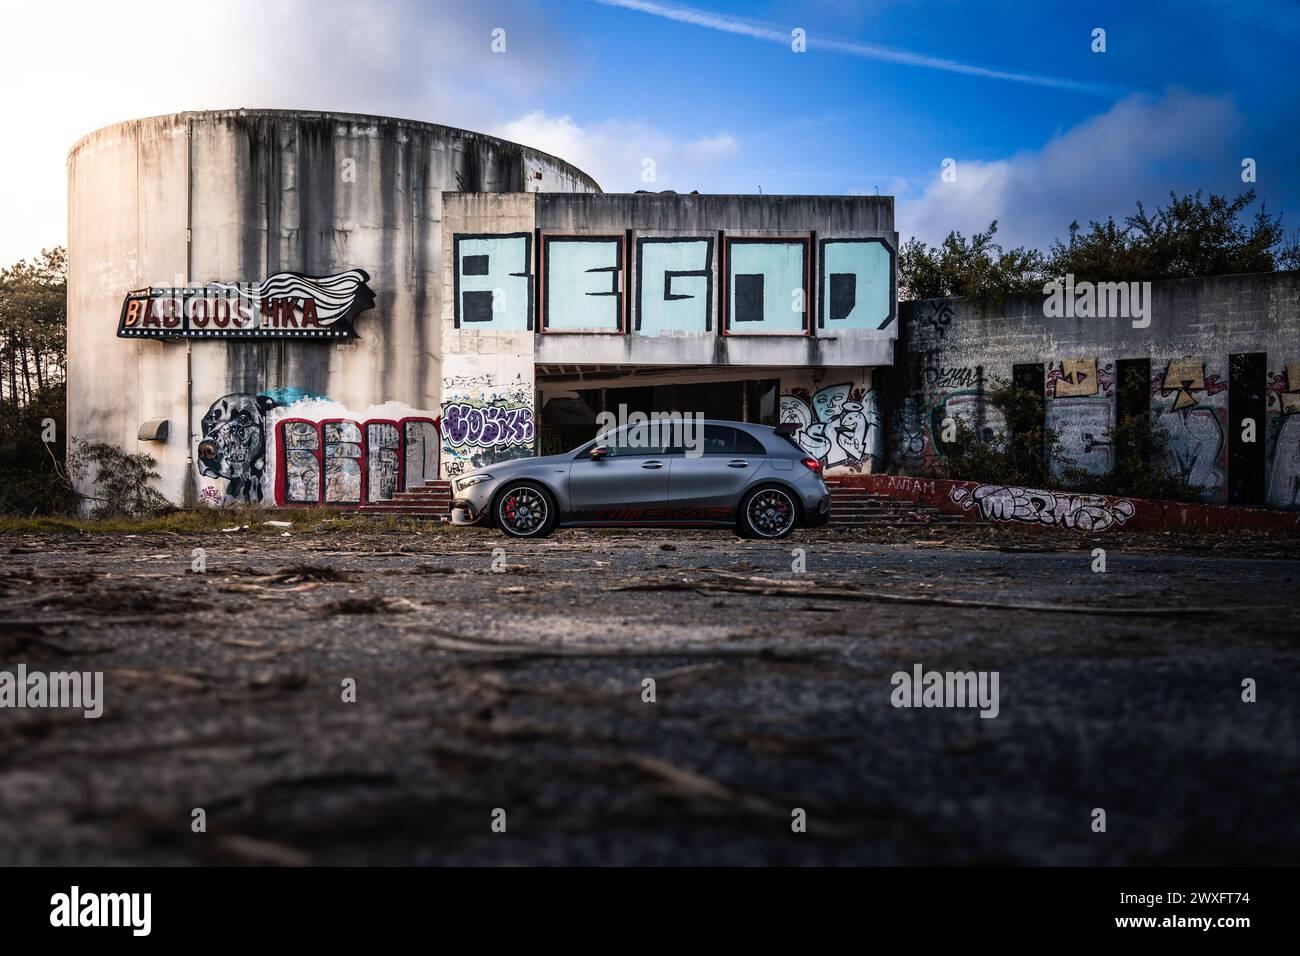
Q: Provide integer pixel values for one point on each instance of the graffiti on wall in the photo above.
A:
(1082, 426)
(583, 284)
(1284, 389)
(909, 433)
(767, 286)
(674, 282)
(937, 319)
(1079, 411)
(1080, 378)
(493, 281)
(1185, 403)
(1283, 489)
(232, 444)
(1034, 506)
(485, 421)
(1184, 378)
(838, 425)
(341, 462)
(580, 284)
(856, 284)
(1284, 476)
(320, 453)
(951, 376)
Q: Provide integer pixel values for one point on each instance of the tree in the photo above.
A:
(33, 367)
(1191, 236)
(977, 268)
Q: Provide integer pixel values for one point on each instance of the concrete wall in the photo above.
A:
(263, 191)
(949, 353)
(488, 394)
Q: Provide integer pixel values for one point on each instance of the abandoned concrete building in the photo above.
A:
(299, 308)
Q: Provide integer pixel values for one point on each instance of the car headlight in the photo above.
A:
(463, 483)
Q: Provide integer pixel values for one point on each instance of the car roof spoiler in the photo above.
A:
(788, 429)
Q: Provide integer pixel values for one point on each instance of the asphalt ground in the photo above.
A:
(510, 687)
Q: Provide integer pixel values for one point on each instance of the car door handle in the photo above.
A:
(737, 464)
(652, 464)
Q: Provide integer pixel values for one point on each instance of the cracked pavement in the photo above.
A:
(522, 690)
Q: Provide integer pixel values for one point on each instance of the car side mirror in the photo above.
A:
(599, 453)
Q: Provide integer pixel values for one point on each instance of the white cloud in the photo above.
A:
(72, 67)
(1140, 149)
(616, 152)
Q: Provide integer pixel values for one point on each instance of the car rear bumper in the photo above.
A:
(819, 515)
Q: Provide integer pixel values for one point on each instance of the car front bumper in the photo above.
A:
(465, 512)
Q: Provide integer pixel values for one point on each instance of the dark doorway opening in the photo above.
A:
(1028, 404)
(568, 422)
(1247, 400)
(1132, 391)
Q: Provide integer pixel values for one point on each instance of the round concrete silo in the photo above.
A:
(238, 195)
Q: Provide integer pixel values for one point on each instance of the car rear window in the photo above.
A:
(747, 444)
(721, 440)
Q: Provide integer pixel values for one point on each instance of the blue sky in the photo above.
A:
(713, 94)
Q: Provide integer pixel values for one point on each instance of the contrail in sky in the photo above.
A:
(714, 21)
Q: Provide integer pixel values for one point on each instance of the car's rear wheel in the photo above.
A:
(524, 510)
(769, 512)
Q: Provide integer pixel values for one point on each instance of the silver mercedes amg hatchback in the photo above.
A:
(731, 474)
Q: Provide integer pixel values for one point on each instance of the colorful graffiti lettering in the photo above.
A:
(1034, 506)
(488, 426)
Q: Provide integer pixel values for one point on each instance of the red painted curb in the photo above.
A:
(1010, 504)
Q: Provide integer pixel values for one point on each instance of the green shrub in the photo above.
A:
(1017, 455)
(1141, 464)
(123, 481)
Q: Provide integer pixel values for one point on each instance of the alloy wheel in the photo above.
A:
(523, 511)
(770, 513)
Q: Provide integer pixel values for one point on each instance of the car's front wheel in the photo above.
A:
(524, 510)
(769, 512)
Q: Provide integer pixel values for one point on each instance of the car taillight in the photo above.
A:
(813, 465)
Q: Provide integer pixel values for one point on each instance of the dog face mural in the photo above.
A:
(232, 444)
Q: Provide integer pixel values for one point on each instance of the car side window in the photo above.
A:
(719, 440)
(722, 440)
(635, 441)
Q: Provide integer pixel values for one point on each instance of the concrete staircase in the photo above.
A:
(851, 506)
(431, 500)
(855, 507)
